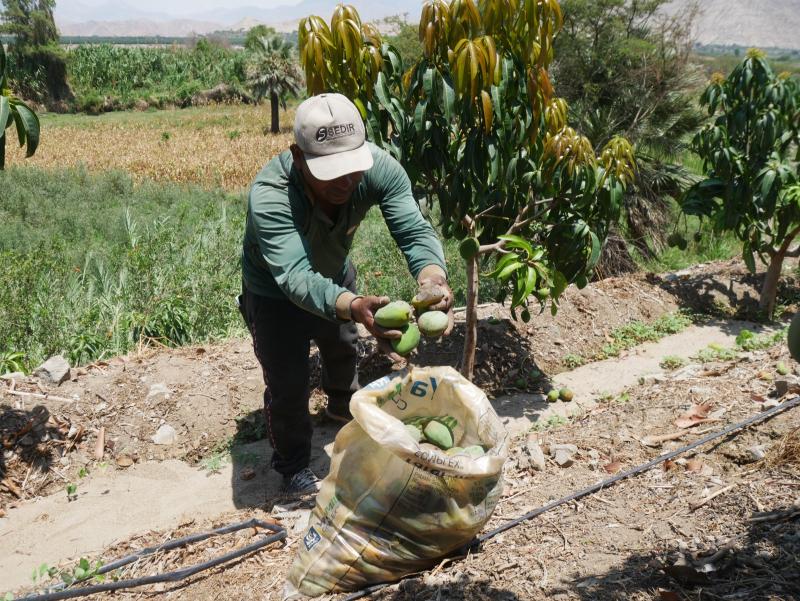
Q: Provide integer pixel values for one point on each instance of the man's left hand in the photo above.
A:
(435, 288)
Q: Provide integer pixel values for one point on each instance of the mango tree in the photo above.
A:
(750, 158)
(478, 127)
(15, 112)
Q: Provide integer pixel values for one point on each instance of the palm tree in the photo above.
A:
(13, 110)
(273, 71)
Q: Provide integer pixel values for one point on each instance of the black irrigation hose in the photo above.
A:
(760, 417)
(279, 534)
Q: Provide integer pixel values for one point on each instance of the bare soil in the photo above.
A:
(614, 545)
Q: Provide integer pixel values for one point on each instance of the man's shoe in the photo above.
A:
(304, 482)
(339, 414)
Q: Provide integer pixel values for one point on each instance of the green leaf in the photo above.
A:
(597, 247)
(502, 262)
(5, 113)
(79, 573)
(84, 563)
(509, 269)
(515, 241)
(27, 120)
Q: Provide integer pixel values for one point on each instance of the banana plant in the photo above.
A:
(479, 129)
(14, 111)
(751, 162)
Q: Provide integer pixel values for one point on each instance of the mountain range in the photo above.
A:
(760, 23)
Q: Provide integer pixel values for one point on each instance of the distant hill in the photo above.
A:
(748, 23)
(761, 23)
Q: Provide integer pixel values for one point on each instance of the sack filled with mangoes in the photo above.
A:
(415, 476)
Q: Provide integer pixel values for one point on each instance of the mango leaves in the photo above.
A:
(14, 111)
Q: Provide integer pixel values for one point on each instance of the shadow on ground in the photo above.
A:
(461, 589)
(762, 563)
(28, 438)
(731, 295)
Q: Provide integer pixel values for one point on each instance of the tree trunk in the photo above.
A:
(3, 152)
(471, 328)
(274, 106)
(769, 291)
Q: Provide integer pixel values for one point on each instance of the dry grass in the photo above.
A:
(787, 451)
(211, 146)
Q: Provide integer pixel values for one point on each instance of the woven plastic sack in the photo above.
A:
(388, 507)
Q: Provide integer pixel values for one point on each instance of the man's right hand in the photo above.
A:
(362, 310)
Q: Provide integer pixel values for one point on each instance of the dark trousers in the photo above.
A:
(281, 333)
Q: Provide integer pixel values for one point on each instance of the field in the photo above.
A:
(221, 146)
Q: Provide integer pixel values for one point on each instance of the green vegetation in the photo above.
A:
(107, 77)
(637, 332)
(672, 362)
(624, 70)
(94, 266)
(15, 112)
(572, 361)
(478, 127)
(752, 178)
(272, 72)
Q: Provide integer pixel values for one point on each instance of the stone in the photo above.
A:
(535, 455)
(786, 385)
(54, 371)
(158, 389)
(563, 454)
(166, 435)
(757, 452)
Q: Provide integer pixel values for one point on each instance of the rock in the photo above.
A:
(124, 461)
(158, 389)
(757, 452)
(786, 385)
(54, 371)
(563, 454)
(535, 455)
(166, 435)
(301, 523)
(13, 375)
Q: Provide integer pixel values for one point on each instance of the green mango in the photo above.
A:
(552, 396)
(794, 337)
(428, 295)
(565, 394)
(454, 451)
(409, 341)
(468, 248)
(439, 434)
(475, 450)
(433, 323)
(394, 315)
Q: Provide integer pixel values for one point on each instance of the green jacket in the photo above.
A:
(293, 250)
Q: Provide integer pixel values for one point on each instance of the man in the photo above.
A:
(299, 285)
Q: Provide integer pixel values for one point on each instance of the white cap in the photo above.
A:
(329, 130)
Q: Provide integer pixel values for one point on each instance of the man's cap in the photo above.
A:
(329, 130)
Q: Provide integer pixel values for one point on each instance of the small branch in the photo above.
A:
(698, 504)
(47, 397)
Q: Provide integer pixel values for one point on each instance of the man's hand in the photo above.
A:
(434, 294)
(362, 310)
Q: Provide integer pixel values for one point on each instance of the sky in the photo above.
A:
(174, 7)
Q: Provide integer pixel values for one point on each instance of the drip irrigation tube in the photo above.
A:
(475, 543)
(279, 533)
